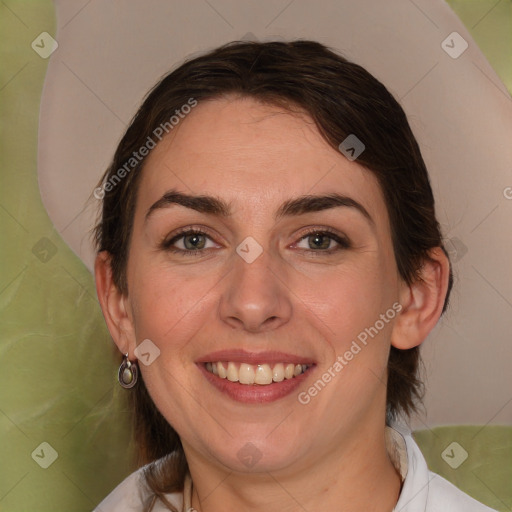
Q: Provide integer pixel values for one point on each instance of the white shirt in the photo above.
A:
(422, 490)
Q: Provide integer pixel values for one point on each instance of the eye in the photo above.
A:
(322, 241)
(189, 241)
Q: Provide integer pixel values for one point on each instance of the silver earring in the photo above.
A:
(128, 373)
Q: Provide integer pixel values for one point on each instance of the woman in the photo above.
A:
(268, 252)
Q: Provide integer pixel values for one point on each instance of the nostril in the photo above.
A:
(271, 320)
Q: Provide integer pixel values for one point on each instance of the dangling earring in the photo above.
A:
(128, 373)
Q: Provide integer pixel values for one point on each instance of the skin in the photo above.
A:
(329, 454)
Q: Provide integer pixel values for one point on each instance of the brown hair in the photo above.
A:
(342, 98)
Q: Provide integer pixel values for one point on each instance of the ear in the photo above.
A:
(422, 302)
(114, 305)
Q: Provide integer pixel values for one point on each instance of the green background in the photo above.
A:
(58, 365)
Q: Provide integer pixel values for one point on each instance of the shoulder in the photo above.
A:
(130, 495)
(443, 496)
(424, 490)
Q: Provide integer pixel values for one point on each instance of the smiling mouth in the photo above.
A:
(259, 374)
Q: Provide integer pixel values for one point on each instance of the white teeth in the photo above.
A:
(246, 374)
(220, 369)
(262, 374)
(278, 372)
(232, 373)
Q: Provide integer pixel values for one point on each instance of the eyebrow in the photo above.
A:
(203, 204)
(298, 206)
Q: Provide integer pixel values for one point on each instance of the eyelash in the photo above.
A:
(343, 243)
(167, 245)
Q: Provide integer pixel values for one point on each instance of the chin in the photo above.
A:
(257, 454)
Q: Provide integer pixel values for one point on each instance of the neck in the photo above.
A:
(357, 476)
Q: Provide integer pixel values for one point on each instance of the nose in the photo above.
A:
(255, 296)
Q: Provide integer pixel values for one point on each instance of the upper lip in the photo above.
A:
(243, 356)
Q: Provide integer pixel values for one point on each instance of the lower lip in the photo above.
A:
(256, 393)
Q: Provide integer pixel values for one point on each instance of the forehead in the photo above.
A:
(241, 149)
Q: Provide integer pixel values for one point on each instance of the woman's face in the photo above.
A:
(283, 272)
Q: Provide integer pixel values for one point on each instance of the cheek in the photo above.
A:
(347, 299)
(355, 308)
(169, 306)
(354, 304)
